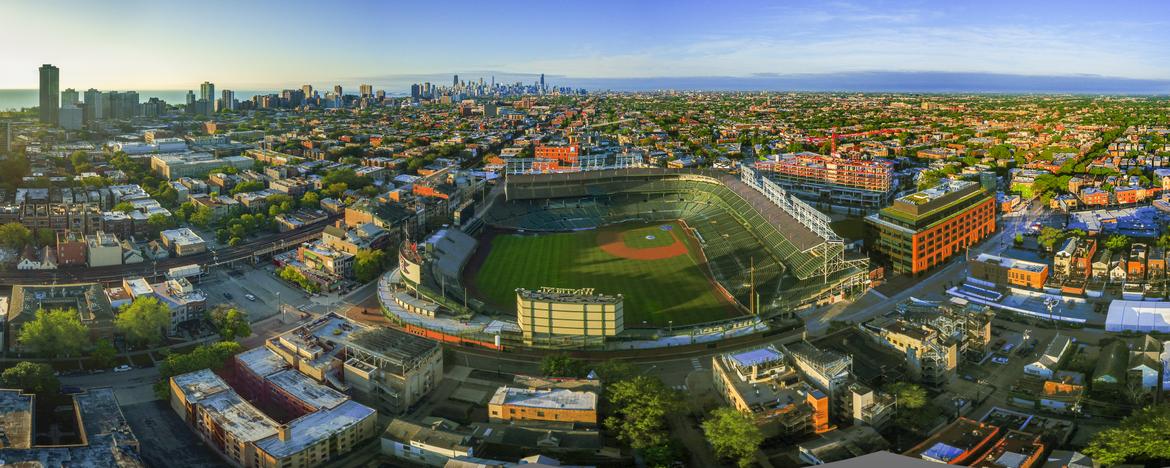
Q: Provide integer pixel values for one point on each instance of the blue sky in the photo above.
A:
(162, 44)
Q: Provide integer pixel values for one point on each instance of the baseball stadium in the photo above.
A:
(674, 248)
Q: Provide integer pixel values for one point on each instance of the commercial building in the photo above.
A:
(174, 166)
(382, 367)
(247, 437)
(103, 249)
(1004, 271)
(831, 179)
(960, 443)
(760, 383)
(558, 315)
(552, 405)
(933, 337)
(183, 241)
(927, 228)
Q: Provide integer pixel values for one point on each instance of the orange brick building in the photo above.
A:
(522, 404)
(925, 229)
(567, 155)
(1009, 271)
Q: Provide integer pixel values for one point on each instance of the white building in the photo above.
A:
(1046, 365)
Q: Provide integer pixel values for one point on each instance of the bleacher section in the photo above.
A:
(739, 226)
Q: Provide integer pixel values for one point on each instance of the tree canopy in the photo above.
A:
(368, 264)
(560, 365)
(733, 435)
(230, 322)
(639, 409)
(144, 320)
(14, 235)
(31, 377)
(55, 332)
(212, 356)
(1140, 438)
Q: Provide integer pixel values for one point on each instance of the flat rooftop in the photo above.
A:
(547, 399)
(1012, 263)
(316, 426)
(306, 389)
(16, 410)
(261, 361)
(199, 385)
(756, 357)
(238, 417)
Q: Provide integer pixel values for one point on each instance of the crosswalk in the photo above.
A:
(696, 364)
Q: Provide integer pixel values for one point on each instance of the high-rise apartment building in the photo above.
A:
(227, 100)
(5, 137)
(207, 91)
(308, 90)
(95, 105)
(50, 94)
(70, 96)
(366, 90)
(190, 100)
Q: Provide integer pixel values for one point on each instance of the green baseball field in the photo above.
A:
(655, 267)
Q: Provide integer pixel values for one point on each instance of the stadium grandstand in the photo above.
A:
(754, 235)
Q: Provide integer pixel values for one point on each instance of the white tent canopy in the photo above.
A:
(1140, 316)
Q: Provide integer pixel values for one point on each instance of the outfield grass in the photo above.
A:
(636, 237)
(656, 291)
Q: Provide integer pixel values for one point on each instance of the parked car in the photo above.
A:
(123, 368)
(249, 297)
(227, 295)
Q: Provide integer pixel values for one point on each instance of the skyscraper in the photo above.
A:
(455, 81)
(542, 81)
(5, 137)
(190, 100)
(308, 90)
(207, 91)
(366, 90)
(227, 100)
(95, 105)
(70, 96)
(50, 94)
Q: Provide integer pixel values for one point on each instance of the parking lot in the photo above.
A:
(237, 286)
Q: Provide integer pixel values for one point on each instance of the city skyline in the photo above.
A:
(365, 41)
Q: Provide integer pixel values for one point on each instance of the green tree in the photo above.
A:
(211, 356)
(560, 365)
(733, 435)
(31, 377)
(1118, 242)
(124, 207)
(159, 222)
(368, 264)
(46, 237)
(1048, 237)
(1140, 438)
(248, 186)
(104, 353)
(55, 332)
(910, 396)
(202, 217)
(14, 235)
(638, 411)
(614, 370)
(144, 320)
(230, 323)
(310, 200)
